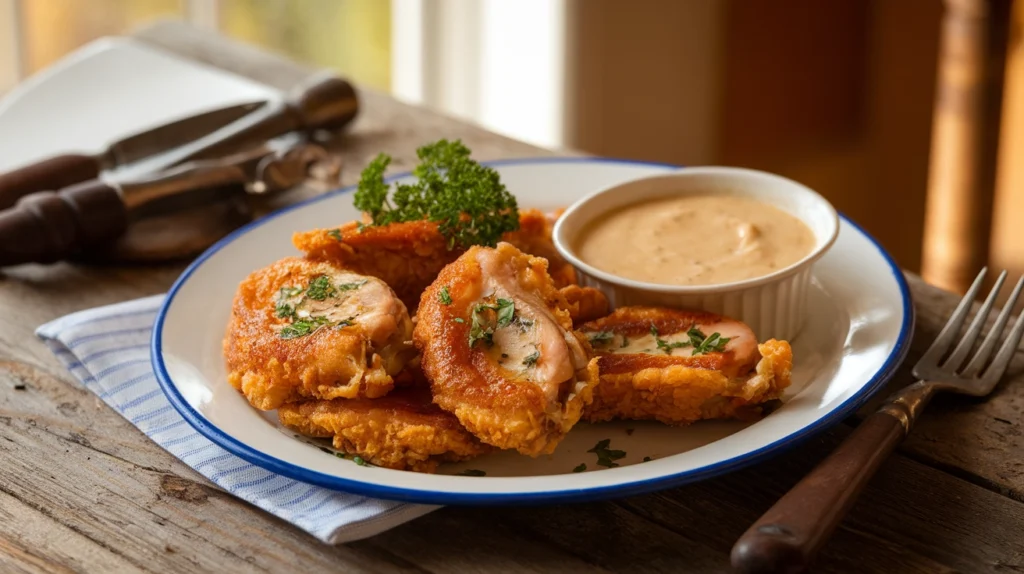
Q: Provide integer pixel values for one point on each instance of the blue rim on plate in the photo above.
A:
(289, 470)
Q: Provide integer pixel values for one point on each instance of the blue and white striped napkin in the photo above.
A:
(107, 349)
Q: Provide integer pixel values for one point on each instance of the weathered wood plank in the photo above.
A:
(82, 468)
(912, 519)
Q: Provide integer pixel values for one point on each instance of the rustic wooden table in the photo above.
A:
(83, 490)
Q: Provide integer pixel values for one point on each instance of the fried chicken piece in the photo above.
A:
(585, 303)
(409, 255)
(649, 370)
(304, 329)
(496, 342)
(403, 430)
(534, 237)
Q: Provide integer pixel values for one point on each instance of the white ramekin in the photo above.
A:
(774, 305)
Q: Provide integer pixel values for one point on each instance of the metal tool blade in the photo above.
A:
(174, 134)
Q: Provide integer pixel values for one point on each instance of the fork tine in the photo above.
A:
(959, 354)
(998, 367)
(952, 328)
(993, 337)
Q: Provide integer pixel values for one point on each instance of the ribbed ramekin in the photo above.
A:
(773, 305)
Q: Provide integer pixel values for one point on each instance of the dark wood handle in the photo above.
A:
(48, 226)
(788, 536)
(53, 173)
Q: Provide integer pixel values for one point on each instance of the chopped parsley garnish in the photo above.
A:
(601, 337)
(701, 344)
(282, 309)
(581, 467)
(665, 345)
(479, 328)
(715, 343)
(335, 233)
(444, 296)
(506, 312)
(352, 286)
(459, 320)
(472, 472)
(359, 460)
(339, 454)
(320, 288)
(605, 456)
(531, 359)
(467, 200)
(482, 328)
(303, 327)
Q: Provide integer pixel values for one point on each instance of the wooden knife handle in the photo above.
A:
(788, 536)
(53, 173)
(48, 226)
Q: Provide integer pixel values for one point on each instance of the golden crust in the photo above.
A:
(680, 395)
(329, 363)
(403, 430)
(493, 403)
(408, 256)
(584, 303)
(681, 388)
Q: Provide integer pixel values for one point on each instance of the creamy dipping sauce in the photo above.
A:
(695, 240)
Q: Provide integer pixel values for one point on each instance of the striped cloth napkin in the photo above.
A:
(107, 349)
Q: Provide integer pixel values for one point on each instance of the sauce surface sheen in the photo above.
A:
(695, 240)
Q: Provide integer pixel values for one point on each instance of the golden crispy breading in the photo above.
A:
(585, 303)
(403, 430)
(656, 376)
(534, 237)
(497, 345)
(303, 329)
(408, 256)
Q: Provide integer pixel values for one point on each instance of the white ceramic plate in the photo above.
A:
(858, 332)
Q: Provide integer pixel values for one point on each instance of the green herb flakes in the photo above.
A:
(359, 460)
(352, 286)
(444, 296)
(665, 345)
(320, 288)
(472, 472)
(580, 468)
(335, 234)
(531, 359)
(606, 456)
(303, 327)
(506, 312)
(601, 337)
(459, 320)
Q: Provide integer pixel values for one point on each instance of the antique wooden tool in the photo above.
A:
(171, 191)
(322, 103)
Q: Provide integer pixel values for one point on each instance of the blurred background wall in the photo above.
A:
(838, 95)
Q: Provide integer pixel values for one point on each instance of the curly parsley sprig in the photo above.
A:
(467, 200)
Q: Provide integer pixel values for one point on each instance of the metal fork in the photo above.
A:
(789, 535)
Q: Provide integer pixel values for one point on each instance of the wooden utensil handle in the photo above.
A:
(789, 535)
(54, 173)
(49, 226)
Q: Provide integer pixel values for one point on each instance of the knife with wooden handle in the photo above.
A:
(48, 226)
(67, 169)
(324, 102)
